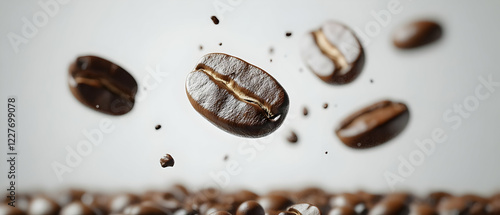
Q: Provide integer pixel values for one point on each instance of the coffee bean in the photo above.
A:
(215, 20)
(121, 201)
(250, 208)
(304, 209)
(292, 137)
(145, 208)
(43, 205)
(7, 209)
(274, 202)
(220, 213)
(344, 210)
(288, 34)
(167, 161)
(157, 127)
(236, 96)
(77, 207)
(417, 34)
(102, 85)
(421, 209)
(435, 197)
(374, 124)
(333, 53)
(392, 204)
(325, 105)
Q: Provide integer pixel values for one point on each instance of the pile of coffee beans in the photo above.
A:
(311, 201)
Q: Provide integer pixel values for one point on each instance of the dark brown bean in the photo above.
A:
(250, 208)
(374, 124)
(77, 207)
(7, 209)
(102, 85)
(417, 34)
(333, 53)
(274, 202)
(392, 204)
(215, 20)
(121, 201)
(236, 96)
(453, 205)
(220, 213)
(344, 210)
(422, 209)
(43, 205)
(167, 161)
(435, 197)
(304, 209)
(145, 208)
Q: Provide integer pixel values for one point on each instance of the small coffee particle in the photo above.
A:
(292, 137)
(371, 81)
(271, 60)
(226, 157)
(288, 34)
(167, 161)
(325, 106)
(215, 20)
(220, 44)
(305, 111)
(326, 152)
(157, 127)
(271, 50)
(201, 47)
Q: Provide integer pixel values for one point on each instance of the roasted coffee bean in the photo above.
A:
(493, 207)
(333, 53)
(274, 202)
(305, 111)
(220, 213)
(43, 205)
(102, 85)
(453, 205)
(167, 161)
(7, 209)
(145, 208)
(421, 209)
(304, 209)
(417, 34)
(435, 197)
(121, 201)
(344, 210)
(292, 137)
(69, 196)
(390, 206)
(345, 199)
(250, 208)
(374, 124)
(77, 207)
(236, 96)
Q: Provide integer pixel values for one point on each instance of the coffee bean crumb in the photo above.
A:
(201, 47)
(271, 50)
(326, 152)
(325, 106)
(215, 20)
(220, 44)
(305, 111)
(226, 157)
(288, 34)
(167, 161)
(271, 60)
(157, 127)
(292, 137)
(371, 81)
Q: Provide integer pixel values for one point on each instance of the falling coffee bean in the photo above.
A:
(167, 161)
(417, 34)
(374, 124)
(236, 96)
(305, 111)
(102, 85)
(157, 127)
(215, 20)
(333, 53)
(292, 137)
(325, 105)
(288, 34)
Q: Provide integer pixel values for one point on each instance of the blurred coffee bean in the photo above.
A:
(250, 208)
(121, 201)
(304, 209)
(77, 207)
(417, 34)
(9, 210)
(43, 205)
(274, 202)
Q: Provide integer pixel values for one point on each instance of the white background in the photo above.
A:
(141, 34)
